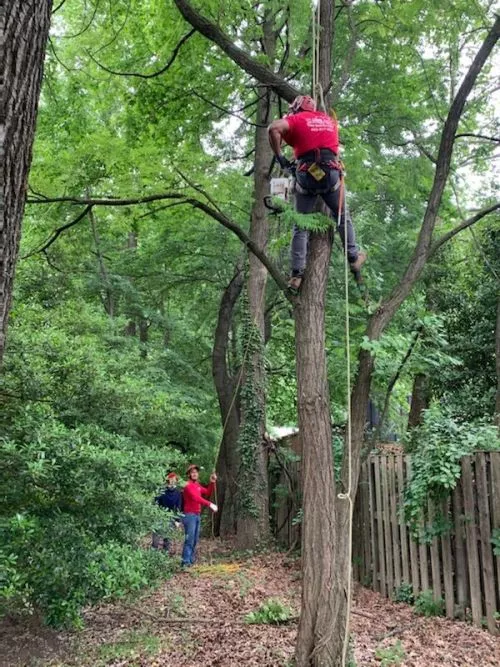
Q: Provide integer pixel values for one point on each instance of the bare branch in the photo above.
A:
(170, 62)
(182, 199)
(212, 31)
(226, 111)
(421, 253)
(463, 225)
(478, 136)
(56, 9)
(57, 232)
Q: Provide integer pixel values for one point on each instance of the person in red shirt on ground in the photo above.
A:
(193, 501)
(314, 138)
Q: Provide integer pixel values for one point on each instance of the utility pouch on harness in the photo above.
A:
(316, 171)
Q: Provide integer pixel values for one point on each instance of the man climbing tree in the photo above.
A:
(315, 141)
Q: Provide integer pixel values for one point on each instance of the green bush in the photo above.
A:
(437, 447)
(404, 594)
(426, 605)
(76, 503)
(271, 612)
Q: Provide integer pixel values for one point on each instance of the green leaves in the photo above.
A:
(271, 612)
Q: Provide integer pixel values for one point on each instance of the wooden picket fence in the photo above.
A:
(459, 565)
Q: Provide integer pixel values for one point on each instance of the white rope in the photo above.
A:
(347, 496)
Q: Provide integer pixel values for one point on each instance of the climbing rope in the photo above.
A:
(347, 495)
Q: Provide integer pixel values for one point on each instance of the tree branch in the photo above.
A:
(463, 225)
(212, 32)
(59, 231)
(421, 253)
(172, 58)
(182, 199)
(478, 136)
(226, 111)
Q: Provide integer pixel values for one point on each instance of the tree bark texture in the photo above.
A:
(24, 28)
(225, 385)
(253, 526)
(419, 400)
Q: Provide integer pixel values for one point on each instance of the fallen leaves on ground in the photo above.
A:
(197, 617)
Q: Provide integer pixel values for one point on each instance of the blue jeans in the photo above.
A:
(192, 529)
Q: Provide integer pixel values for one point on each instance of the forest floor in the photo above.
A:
(197, 618)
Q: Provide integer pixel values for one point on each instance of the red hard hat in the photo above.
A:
(302, 103)
(172, 475)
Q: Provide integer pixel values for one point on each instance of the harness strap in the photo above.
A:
(305, 191)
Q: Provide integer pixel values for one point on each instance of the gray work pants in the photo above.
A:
(307, 191)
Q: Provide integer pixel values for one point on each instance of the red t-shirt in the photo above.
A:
(193, 496)
(310, 130)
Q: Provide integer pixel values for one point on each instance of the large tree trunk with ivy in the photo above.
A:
(253, 494)
(226, 385)
(24, 28)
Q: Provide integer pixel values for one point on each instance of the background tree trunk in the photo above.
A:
(253, 497)
(24, 28)
(419, 400)
(225, 383)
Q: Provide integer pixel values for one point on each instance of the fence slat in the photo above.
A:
(495, 507)
(461, 569)
(402, 521)
(415, 570)
(485, 537)
(447, 564)
(367, 556)
(387, 528)
(373, 534)
(471, 538)
(380, 526)
(423, 559)
(435, 563)
(396, 544)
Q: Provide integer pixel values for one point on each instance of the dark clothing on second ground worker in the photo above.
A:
(170, 499)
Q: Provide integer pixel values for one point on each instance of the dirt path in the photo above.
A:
(219, 593)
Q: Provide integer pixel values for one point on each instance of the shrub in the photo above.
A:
(76, 503)
(404, 594)
(426, 605)
(271, 612)
(438, 446)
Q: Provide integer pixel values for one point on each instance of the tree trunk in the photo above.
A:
(253, 496)
(392, 384)
(225, 385)
(419, 400)
(106, 291)
(131, 328)
(24, 28)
